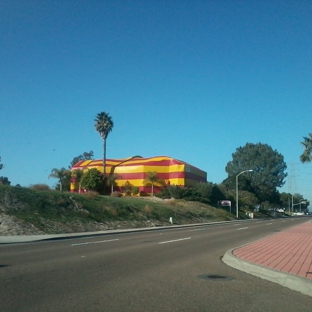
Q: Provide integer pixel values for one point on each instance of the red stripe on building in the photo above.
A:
(142, 175)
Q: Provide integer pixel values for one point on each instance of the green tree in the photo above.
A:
(63, 176)
(103, 125)
(285, 200)
(298, 198)
(306, 156)
(247, 200)
(77, 175)
(204, 189)
(92, 180)
(218, 192)
(83, 156)
(152, 179)
(4, 181)
(268, 169)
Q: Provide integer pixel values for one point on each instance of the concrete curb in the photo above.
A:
(293, 282)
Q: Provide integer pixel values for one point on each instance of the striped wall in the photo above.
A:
(134, 170)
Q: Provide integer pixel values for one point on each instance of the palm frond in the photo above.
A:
(306, 156)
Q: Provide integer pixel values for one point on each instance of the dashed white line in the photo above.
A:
(244, 228)
(175, 240)
(97, 242)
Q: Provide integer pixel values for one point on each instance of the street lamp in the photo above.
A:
(292, 204)
(250, 170)
(302, 202)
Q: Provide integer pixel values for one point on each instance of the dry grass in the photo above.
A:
(148, 209)
(91, 194)
(116, 194)
(40, 187)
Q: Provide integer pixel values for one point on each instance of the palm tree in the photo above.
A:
(60, 174)
(103, 125)
(111, 180)
(77, 174)
(152, 179)
(307, 153)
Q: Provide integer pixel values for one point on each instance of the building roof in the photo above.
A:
(130, 161)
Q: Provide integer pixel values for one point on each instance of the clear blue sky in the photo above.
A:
(192, 80)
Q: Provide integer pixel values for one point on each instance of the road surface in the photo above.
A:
(159, 270)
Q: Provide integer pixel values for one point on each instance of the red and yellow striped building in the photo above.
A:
(134, 170)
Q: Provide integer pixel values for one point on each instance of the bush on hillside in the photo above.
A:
(116, 194)
(91, 194)
(40, 187)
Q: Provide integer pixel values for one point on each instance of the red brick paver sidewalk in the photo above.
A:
(289, 251)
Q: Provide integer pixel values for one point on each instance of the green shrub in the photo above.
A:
(127, 188)
(164, 194)
(135, 190)
(177, 192)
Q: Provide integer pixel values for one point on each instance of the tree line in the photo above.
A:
(256, 171)
(264, 173)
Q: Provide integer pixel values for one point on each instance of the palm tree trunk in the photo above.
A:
(104, 159)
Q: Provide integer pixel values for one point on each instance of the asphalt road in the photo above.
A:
(161, 270)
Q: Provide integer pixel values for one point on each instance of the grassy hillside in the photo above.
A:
(55, 212)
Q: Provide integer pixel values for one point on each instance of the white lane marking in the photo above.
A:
(268, 223)
(244, 228)
(174, 240)
(236, 224)
(97, 242)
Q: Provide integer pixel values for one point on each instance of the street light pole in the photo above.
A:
(302, 202)
(250, 170)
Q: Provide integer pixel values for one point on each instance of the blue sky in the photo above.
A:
(192, 80)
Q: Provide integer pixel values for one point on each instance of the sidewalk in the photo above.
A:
(284, 258)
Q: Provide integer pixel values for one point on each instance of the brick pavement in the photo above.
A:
(284, 258)
(289, 251)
